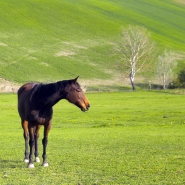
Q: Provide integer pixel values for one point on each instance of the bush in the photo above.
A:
(178, 82)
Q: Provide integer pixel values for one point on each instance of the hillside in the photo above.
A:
(43, 40)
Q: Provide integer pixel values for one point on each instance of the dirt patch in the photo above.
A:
(8, 86)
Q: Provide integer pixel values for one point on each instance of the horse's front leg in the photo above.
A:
(31, 143)
(36, 144)
(47, 128)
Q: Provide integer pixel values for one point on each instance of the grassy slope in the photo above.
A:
(129, 142)
(50, 40)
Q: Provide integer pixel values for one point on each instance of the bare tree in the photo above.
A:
(135, 50)
(165, 66)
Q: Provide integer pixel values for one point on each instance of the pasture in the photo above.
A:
(125, 138)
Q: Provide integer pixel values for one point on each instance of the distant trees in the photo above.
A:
(135, 51)
(165, 67)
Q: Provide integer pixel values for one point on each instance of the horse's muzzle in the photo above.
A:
(86, 108)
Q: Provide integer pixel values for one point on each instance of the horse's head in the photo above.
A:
(76, 96)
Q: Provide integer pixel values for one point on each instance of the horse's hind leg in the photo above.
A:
(36, 144)
(32, 144)
(26, 137)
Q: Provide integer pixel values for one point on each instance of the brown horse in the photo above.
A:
(35, 102)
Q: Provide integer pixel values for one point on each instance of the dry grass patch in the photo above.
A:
(8, 86)
(74, 45)
(64, 53)
(180, 1)
(3, 44)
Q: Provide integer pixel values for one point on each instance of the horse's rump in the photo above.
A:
(26, 87)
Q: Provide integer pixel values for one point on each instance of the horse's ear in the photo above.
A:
(75, 80)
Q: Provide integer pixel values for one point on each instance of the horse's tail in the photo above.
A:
(20, 90)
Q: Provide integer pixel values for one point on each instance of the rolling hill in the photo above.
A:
(44, 40)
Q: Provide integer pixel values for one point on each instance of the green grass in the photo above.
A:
(125, 138)
(34, 35)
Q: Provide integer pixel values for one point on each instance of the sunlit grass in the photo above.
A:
(125, 138)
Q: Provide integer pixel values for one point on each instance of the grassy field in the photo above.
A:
(125, 138)
(50, 40)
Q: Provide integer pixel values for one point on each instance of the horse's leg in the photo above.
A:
(47, 128)
(36, 144)
(26, 137)
(31, 143)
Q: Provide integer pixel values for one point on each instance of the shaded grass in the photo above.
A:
(125, 138)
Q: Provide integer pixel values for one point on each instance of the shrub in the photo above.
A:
(178, 82)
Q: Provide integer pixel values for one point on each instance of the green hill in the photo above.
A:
(44, 40)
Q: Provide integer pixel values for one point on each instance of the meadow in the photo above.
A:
(125, 138)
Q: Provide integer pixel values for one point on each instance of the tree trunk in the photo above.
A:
(132, 81)
(164, 81)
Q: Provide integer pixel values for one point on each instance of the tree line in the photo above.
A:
(136, 51)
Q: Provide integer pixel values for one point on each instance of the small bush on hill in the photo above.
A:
(178, 82)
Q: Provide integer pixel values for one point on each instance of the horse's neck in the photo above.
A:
(52, 93)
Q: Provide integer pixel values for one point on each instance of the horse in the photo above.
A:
(35, 102)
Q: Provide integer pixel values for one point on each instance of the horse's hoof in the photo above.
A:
(26, 160)
(45, 164)
(37, 159)
(31, 165)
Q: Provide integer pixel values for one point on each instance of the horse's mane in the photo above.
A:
(44, 91)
